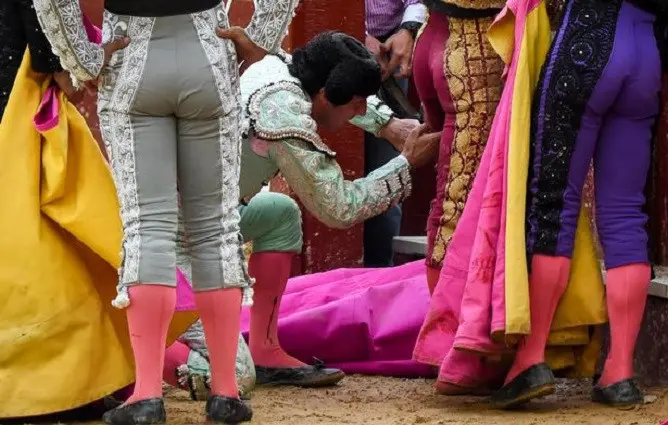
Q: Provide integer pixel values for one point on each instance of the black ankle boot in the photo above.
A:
(228, 411)
(144, 412)
(537, 381)
(622, 394)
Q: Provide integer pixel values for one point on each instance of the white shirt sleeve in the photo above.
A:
(415, 13)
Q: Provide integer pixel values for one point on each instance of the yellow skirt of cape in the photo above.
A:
(574, 342)
(62, 344)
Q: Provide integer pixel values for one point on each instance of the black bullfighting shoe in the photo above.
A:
(228, 411)
(622, 394)
(537, 381)
(305, 376)
(144, 412)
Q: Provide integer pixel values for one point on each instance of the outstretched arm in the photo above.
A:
(321, 186)
(380, 121)
(62, 23)
(270, 22)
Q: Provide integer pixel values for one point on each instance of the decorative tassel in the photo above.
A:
(122, 300)
(247, 297)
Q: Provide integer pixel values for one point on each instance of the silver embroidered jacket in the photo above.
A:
(62, 22)
(281, 136)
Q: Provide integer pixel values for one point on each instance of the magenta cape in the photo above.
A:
(359, 320)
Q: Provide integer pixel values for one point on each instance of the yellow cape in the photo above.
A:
(574, 343)
(62, 344)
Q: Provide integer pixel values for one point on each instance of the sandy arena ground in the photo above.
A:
(383, 401)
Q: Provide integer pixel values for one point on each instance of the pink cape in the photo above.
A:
(468, 304)
(359, 320)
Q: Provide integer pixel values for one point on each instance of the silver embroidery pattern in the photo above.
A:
(269, 121)
(320, 185)
(222, 57)
(270, 22)
(183, 256)
(62, 23)
(119, 83)
(377, 115)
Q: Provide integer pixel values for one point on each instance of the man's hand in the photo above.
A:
(380, 53)
(64, 83)
(111, 48)
(396, 131)
(421, 147)
(400, 49)
(247, 51)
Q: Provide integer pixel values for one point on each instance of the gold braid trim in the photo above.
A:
(473, 70)
(477, 4)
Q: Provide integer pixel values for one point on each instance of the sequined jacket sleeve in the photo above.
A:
(378, 114)
(318, 181)
(270, 22)
(62, 22)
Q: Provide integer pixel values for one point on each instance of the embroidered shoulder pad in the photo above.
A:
(281, 111)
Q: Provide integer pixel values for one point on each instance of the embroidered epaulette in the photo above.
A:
(282, 110)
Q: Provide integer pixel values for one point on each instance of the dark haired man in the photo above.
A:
(328, 83)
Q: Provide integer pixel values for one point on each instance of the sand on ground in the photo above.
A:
(386, 401)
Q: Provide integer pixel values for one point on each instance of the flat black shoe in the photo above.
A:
(306, 376)
(228, 411)
(144, 412)
(537, 381)
(111, 402)
(622, 394)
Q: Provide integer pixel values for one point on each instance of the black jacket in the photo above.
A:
(19, 29)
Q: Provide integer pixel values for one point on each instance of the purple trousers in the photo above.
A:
(598, 99)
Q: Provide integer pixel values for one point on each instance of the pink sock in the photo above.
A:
(149, 315)
(271, 271)
(626, 292)
(547, 283)
(175, 356)
(220, 311)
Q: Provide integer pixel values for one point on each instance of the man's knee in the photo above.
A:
(282, 217)
(288, 210)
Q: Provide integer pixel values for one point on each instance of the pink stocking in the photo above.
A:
(626, 289)
(548, 281)
(271, 271)
(149, 316)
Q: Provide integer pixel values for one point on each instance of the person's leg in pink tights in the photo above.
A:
(547, 283)
(271, 271)
(529, 373)
(273, 365)
(620, 202)
(149, 316)
(220, 311)
(272, 221)
(626, 291)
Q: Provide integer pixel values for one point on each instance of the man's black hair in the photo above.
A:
(340, 64)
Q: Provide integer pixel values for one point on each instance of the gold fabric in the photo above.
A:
(63, 344)
(476, 4)
(473, 70)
